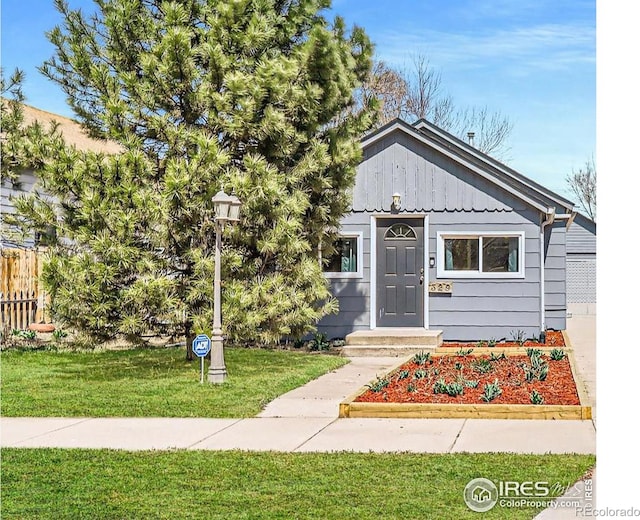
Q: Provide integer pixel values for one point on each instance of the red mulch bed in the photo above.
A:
(554, 338)
(558, 388)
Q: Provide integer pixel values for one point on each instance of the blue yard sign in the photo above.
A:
(201, 346)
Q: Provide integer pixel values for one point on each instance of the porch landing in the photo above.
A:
(391, 341)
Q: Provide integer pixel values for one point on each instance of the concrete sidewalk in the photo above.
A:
(303, 434)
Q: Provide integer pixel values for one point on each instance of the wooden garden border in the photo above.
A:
(349, 408)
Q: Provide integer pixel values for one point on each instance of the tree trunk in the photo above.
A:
(189, 336)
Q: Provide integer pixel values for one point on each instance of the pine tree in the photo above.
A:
(251, 96)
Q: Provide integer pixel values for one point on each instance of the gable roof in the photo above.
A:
(525, 189)
(72, 132)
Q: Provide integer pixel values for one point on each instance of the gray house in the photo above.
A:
(442, 236)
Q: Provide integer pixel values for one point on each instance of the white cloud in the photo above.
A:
(541, 47)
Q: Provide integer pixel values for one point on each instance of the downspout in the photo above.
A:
(549, 218)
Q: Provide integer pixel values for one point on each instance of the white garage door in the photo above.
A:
(581, 280)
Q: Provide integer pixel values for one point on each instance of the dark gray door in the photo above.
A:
(400, 292)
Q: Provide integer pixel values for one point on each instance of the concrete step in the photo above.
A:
(394, 342)
(398, 351)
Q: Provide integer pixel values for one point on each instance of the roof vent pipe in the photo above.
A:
(471, 135)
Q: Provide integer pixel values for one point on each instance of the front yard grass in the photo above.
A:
(61, 484)
(150, 382)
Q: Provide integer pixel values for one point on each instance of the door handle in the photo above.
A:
(421, 280)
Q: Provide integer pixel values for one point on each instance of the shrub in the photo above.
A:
(319, 342)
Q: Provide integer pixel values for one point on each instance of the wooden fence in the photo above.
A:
(21, 297)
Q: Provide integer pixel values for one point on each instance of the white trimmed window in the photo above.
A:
(480, 255)
(346, 262)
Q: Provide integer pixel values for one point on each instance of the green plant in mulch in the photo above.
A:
(557, 354)
(492, 343)
(471, 383)
(379, 384)
(482, 366)
(402, 374)
(452, 389)
(481, 344)
(536, 397)
(491, 391)
(422, 358)
(495, 357)
(538, 369)
(531, 352)
(411, 388)
(464, 352)
(518, 336)
(421, 374)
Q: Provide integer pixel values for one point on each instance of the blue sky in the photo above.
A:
(531, 60)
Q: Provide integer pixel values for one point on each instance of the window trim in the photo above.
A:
(358, 235)
(441, 272)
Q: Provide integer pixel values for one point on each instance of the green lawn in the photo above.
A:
(154, 382)
(102, 484)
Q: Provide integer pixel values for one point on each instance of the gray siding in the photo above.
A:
(491, 307)
(25, 184)
(581, 236)
(352, 293)
(426, 179)
(555, 276)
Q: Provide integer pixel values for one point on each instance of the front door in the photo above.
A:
(400, 292)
